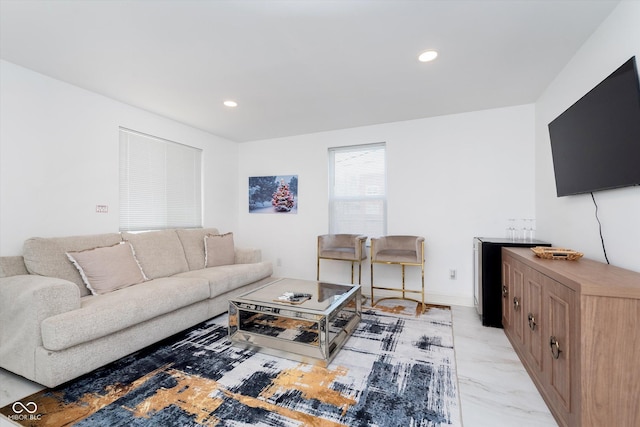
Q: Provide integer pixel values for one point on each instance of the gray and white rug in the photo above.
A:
(398, 369)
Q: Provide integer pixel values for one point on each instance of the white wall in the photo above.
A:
(570, 221)
(59, 159)
(450, 178)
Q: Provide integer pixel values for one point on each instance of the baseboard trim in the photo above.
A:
(430, 298)
(449, 300)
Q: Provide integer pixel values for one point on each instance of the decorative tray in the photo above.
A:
(556, 253)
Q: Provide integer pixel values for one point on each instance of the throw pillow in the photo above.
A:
(106, 269)
(219, 250)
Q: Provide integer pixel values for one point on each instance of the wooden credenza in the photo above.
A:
(576, 327)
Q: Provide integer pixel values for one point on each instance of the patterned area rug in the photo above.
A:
(398, 369)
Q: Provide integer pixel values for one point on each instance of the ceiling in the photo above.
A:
(304, 66)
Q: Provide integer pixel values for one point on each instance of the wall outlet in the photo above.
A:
(278, 262)
(452, 274)
(102, 209)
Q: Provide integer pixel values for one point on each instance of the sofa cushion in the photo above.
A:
(192, 240)
(248, 255)
(219, 249)
(107, 269)
(101, 315)
(159, 253)
(47, 256)
(225, 278)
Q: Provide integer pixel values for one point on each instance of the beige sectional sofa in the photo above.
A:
(53, 328)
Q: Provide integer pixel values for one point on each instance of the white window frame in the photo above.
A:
(160, 183)
(338, 222)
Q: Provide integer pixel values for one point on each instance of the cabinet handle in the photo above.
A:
(532, 322)
(505, 291)
(555, 347)
(516, 303)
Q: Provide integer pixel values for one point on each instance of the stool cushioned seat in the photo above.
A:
(342, 247)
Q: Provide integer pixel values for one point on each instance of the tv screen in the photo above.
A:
(595, 143)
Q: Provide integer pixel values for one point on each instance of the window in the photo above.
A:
(357, 190)
(160, 183)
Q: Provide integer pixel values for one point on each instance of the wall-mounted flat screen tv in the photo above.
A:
(595, 143)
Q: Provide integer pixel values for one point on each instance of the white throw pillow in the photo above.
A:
(106, 269)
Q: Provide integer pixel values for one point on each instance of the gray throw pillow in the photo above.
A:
(219, 249)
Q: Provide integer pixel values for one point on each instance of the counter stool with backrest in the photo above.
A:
(342, 247)
(403, 250)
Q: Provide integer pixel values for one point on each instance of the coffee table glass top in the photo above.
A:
(323, 295)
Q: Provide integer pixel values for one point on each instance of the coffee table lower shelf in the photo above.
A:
(310, 333)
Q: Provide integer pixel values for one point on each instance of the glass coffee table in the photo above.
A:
(310, 329)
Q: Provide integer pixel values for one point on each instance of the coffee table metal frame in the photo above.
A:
(334, 310)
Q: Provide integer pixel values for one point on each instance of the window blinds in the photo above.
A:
(160, 183)
(357, 190)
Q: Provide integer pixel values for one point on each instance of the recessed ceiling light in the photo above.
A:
(230, 103)
(427, 56)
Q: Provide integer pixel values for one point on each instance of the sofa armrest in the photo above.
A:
(247, 256)
(12, 266)
(25, 301)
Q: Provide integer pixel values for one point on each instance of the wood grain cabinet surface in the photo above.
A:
(576, 327)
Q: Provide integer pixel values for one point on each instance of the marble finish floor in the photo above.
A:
(495, 389)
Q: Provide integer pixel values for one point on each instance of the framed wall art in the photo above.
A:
(274, 194)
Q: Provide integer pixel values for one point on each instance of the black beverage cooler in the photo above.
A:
(487, 275)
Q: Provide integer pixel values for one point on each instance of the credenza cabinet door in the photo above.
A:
(517, 301)
(559, 304)
(534, 318)
(506, 286)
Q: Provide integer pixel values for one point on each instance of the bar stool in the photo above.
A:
(342, 247)
(403, 250)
